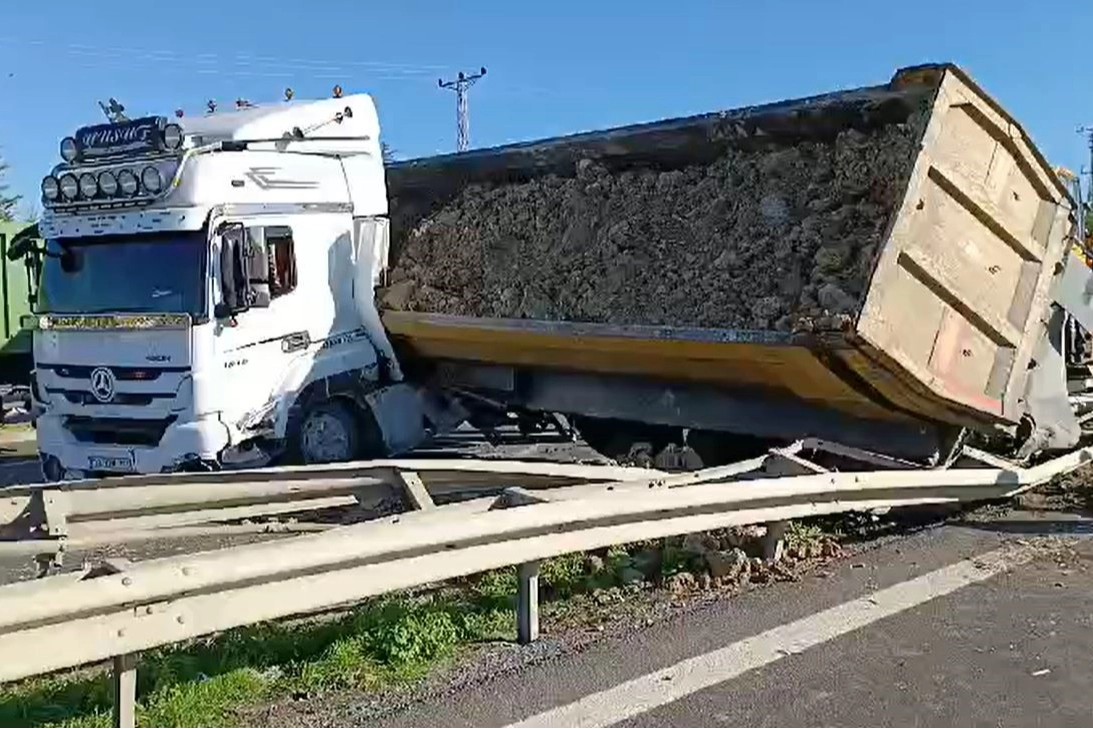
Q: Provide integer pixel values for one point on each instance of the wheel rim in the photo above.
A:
(325, 439)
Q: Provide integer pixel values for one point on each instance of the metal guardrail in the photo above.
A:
(48, 519)
(114, 613)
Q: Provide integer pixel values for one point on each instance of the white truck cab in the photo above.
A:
(207, 294)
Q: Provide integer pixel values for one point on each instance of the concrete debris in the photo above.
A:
(728, 564)
(774, 238)
(700, 543)
(760, 571)
(743, 536)
(682, 582)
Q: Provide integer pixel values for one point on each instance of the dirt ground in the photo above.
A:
(757, 239)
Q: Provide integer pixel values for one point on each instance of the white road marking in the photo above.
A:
(662, 687)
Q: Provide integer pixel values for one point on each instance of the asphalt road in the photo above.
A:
(19, 471)
(975, 624)
(18, 457)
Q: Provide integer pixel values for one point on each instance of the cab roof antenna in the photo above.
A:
(114, 111)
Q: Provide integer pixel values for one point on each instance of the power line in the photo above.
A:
(241, 59)
(461, 85)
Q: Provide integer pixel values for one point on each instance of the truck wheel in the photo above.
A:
(328, 433)
(617, 439)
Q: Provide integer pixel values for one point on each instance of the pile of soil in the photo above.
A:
(759, 239)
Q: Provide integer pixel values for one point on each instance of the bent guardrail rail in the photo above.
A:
(67, 621)
(45, 518)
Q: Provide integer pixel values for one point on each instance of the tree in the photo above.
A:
(7, 203)
(387, 152)
(28, 212)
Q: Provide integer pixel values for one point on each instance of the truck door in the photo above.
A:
(291, 306)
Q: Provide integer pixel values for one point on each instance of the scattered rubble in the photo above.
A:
(727, 564)
(757, 239)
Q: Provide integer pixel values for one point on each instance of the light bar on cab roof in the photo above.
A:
(127, 181)
(137, 146)
(108, 183)
(51, 188)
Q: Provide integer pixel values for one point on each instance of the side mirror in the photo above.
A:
(23, 243)
(20, 248)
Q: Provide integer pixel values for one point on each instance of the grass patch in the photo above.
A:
(382, 642)
(207, 683)
(379, 643)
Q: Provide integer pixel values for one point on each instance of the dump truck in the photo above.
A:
(888, 268)
(891, 267)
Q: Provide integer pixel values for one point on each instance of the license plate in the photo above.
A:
(110, 463)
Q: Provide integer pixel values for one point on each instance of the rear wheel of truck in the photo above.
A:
(623, 440)
(328, 432)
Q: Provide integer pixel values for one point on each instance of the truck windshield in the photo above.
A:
(161, 273)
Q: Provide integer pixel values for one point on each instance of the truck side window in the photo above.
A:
(282, 260)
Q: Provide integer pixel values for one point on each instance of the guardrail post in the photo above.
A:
(774, 541)
(527, 603)
(125, 690)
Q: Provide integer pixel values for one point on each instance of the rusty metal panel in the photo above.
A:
(958, 295)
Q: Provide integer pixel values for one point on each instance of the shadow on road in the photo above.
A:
(1076, 523)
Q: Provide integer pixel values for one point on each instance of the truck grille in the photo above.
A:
(122, 374)
(83, 397)
(118, 431)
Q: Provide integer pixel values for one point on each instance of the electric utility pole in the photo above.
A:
(461, 85)
(1087, 132)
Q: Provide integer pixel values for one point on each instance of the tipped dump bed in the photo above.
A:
(884, 252)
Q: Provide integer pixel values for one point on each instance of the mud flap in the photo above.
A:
(400, 415)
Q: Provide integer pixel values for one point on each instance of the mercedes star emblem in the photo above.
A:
(102, 384)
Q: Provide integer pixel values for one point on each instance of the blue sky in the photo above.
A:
(554, 67)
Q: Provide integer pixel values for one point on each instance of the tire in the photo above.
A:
(328, 432)
(616, 438)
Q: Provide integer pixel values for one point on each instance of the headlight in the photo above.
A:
(152, 180)
(128, 183)
(108, 184)
(89, 186)
(69, 150)
(70, 186)
(172, 136)
(51, 189)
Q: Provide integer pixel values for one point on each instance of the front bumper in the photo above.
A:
(65, 457)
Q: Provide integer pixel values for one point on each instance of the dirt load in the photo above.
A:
(756, 239)
(915, 217)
